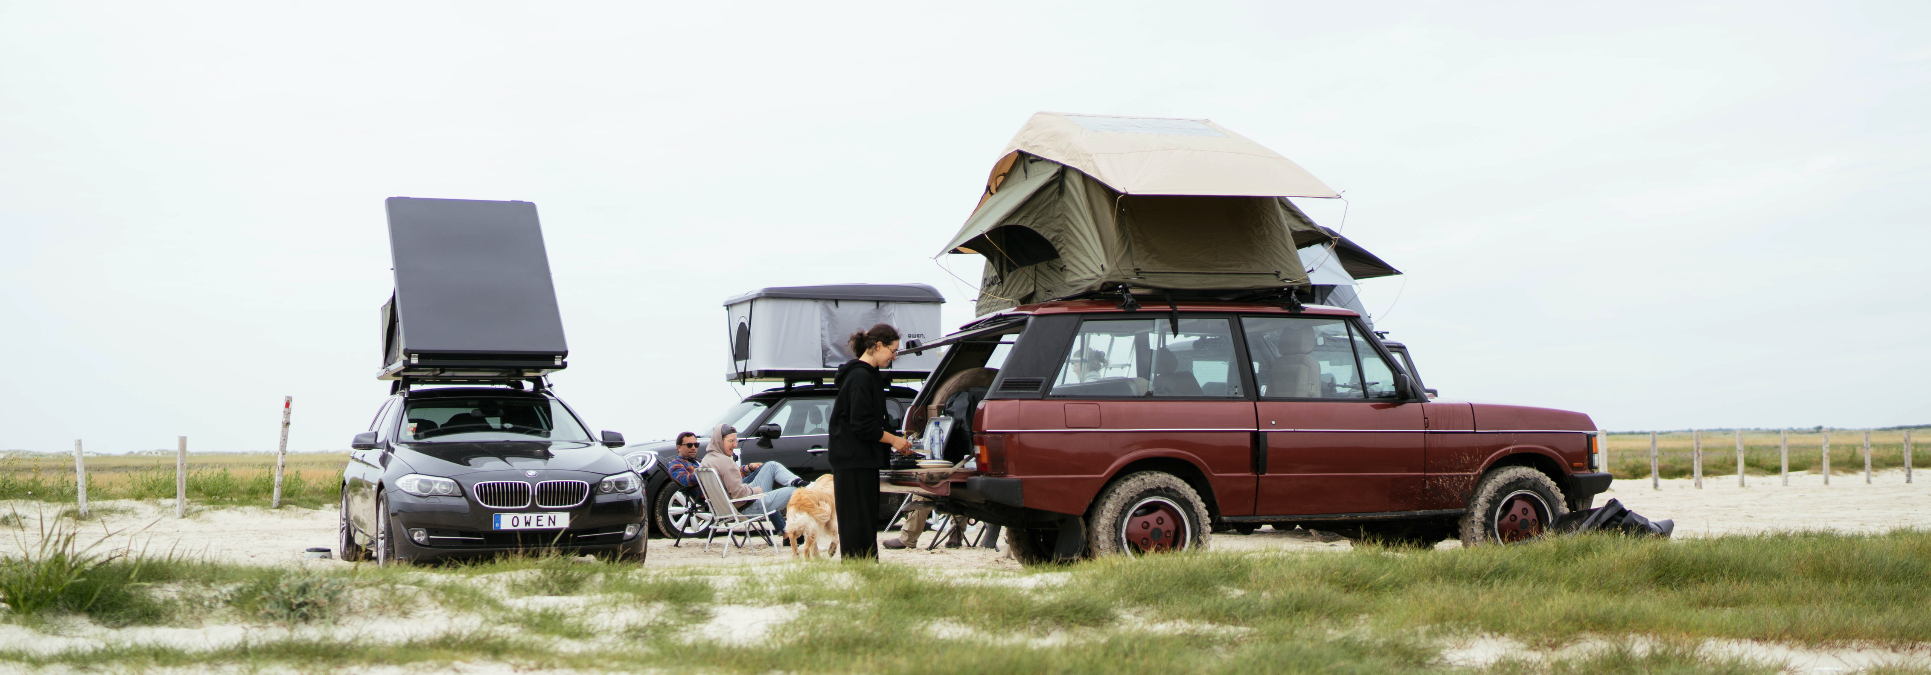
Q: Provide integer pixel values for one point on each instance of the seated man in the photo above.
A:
(684, 468)
(770, 481)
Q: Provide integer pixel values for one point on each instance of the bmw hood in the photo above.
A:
(455, 459)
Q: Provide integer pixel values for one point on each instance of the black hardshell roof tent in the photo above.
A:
(473, 298)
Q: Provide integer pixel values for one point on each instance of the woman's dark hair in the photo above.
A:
(863, 341)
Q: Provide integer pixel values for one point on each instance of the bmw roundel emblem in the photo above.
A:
(531, 474)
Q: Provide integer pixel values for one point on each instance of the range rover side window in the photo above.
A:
(1146, 358)
(1303, 357)
(1378, 378)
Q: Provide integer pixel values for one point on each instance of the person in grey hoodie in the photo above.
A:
(771, 482)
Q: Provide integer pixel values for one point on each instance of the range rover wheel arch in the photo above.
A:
(1534, 457)
(1182, 468)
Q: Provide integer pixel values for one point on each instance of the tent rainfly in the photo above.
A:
(1086, 203)
(799, 332)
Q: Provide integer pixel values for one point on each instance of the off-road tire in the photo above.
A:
(1032, 545)
(345, 547)
(383, 549)
(660, 514)
(1161, 495)
(1501, 486)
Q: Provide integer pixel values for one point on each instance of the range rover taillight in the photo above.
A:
(991, 450)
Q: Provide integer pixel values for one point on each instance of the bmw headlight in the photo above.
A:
(627, 481)
(642, 461)
(428, 486)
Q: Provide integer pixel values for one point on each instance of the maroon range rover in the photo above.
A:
(1098, 428)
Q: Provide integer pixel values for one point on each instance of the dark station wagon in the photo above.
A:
(1104, 430)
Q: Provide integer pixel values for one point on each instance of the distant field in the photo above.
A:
(238, 479)
(1629, 452)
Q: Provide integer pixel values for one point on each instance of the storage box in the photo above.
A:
(799, 332)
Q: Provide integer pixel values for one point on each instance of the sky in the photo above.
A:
(1665, 215)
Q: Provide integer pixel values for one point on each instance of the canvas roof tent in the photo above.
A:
(1084, 203)
(799, 332)
(473, 296)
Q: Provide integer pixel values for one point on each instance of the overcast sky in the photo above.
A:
(1667, 215)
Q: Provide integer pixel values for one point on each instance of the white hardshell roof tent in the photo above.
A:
(799, 332)
(1079, 204)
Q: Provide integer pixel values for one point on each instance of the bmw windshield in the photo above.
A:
(470, 420)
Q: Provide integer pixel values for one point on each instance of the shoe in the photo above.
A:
(893, 544)
(799, 482)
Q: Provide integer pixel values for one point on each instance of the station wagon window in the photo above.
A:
(803, 417)
(741, 416)
(488, 419)
(1147, 358)
(1304, 357)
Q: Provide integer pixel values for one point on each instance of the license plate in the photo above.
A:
(531, 521)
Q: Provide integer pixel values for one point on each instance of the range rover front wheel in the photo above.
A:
(1512, 504)
(1147, 512)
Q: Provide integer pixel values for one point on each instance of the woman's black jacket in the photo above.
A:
(858, 419)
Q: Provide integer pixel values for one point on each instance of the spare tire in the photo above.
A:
(1512, 504)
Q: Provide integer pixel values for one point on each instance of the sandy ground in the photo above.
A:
(266, 537)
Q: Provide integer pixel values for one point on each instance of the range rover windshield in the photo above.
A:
(469, 420)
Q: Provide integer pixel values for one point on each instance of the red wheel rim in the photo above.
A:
(1155, 525)
(1519, 520)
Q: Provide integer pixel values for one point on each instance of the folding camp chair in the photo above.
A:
(699, 508)
(725, 514)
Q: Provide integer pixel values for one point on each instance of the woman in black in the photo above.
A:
(860, 444)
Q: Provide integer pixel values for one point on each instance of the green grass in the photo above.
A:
(310, 480)
(1372, 610)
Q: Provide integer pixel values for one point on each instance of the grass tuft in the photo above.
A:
(295, 597)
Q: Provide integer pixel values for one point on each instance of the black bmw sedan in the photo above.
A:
(471, 471)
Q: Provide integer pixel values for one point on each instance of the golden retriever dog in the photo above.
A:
(810, 516)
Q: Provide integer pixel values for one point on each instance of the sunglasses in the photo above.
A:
(687, 445)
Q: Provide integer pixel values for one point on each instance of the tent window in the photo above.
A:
(1010, 247)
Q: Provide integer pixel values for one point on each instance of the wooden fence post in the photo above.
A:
(181, 480)
(80, 478)
(1826, 456)
(1907, 455)
(1696, 456)
(1655, 479)
(1740, 458)
(281, 455)
(1867, 458)
(1783, 455)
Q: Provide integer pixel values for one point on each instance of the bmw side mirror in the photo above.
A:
(769, 432)
(363, 441)
(612, 439)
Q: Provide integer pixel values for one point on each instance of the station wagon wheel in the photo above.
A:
(1511, 504)
(345, 546)
(680, 514)
(1146, 512)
